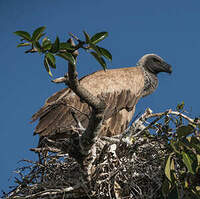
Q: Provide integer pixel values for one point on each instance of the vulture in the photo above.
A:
(120, 89)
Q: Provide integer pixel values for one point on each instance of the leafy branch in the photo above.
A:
(63, 49)
(182, 144)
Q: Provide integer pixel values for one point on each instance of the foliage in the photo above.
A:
(182, 168)
(63, 49)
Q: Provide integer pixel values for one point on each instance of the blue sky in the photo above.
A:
(170, 29)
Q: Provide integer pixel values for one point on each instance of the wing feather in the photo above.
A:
(52, 115)
(59, 115)
(120, 88)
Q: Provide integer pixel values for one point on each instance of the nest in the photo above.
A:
(120, 170)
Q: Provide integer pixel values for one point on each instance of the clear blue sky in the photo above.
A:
(170, 29)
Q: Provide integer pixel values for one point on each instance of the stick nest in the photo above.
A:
(120, 170)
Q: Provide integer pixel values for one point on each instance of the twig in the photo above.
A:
(51, 192)
(110, 140)
(138, 124)
(170, 112)
(80, 42)
(193, 121)
(32, 50)
(76, 47)
(59, 80)
(75, 37)
(38, 150)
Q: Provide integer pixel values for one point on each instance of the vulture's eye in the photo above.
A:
(156, 60)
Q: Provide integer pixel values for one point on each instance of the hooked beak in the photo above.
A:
(167, 68)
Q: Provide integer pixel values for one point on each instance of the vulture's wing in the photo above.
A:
(120, 88)
(56, 117)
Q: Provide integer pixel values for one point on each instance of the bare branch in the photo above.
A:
(51, 192)
(170, 112)
(193, 121)
(75, 37)
(138, 124)
(59, 80)
(39, 150)
(32, 50)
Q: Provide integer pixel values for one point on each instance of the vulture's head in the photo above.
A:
(154, 64)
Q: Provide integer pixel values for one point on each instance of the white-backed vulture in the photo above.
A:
(119, 88)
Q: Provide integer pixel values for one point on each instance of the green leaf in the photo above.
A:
(95, 48)
(24, 35)
(198, 160)
(99, 59)
(98, 37)
(56, 45)
(37, 45)
(46, 64)
(187, 161)
(67, 56)
(105, 53)
(38, 33)
(186, 144)
(66, 46)
(168, 168)
(40, 36)
(23, 44)
(174, 146)
(195, 144)
(87, 37)
(46, 44)
(184, 131)
(180, 106)
(51, 59)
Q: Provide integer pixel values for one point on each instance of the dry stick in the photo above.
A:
(50, 192)
(59, 80)
(170, 112)
(50, 149)
(148, 114)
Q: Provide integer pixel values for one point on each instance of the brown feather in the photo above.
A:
(120, 88)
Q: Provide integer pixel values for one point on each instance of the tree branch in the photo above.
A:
(90, 135)
(138, 124)
(170, 112)
(52, 192)
(81, 44)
